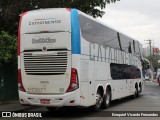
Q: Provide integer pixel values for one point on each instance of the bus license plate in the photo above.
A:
(45, 101)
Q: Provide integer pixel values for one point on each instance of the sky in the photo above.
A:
(139, 19)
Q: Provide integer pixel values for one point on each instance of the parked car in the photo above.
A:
(148, 74)
(158, 76)
(158, 73)
(146, 77)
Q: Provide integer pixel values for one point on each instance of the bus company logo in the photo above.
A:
(43, 40)
(46, 21)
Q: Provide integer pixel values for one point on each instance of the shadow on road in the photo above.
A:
(73, 112)
(124, 100)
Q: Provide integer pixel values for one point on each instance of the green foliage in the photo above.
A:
(91, 7)
(8, 47)
(154, 59)
(11, 9)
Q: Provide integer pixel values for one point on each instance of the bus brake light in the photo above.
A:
(74, 81)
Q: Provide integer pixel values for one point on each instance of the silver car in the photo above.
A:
(148, 74)
(158, 76)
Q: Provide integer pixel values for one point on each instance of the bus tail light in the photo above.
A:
(74, 81)
(20, 85)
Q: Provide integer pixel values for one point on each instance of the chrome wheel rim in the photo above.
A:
(107, 98)
(98, 100)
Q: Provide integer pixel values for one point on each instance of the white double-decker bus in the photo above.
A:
(67, 58)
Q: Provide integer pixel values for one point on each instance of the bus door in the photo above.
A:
(126, 87)
(87, 82)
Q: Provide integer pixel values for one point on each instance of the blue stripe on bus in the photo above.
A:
(75, 31)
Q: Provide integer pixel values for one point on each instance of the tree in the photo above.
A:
(8, 47)
(154, 59)
(90, 7)
(11, 9)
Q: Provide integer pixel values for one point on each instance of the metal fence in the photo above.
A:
(8, 82)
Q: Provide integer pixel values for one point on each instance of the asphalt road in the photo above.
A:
(149, 100)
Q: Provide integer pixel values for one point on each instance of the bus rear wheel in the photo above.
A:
(106, 99)
(136, 93)
(99, 101)
(140, 87)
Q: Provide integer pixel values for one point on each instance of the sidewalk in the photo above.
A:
(13, 106)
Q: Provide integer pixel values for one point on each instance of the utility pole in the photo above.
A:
(150, 42)
(153, 48)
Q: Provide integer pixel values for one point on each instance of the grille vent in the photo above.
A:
(45, 64)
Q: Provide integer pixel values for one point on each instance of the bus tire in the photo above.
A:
(140, 87)
(159, 81)
(137, 92)
(106, 99)
(99, 101)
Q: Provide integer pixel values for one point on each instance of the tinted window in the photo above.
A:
(97, 33)
(138, 49)
(123, 71)
(127, 44)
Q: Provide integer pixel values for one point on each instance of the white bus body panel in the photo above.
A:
(46, 20)
(50, 24)
(58, 100)
(101, 73)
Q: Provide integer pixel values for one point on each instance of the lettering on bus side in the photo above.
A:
(111, 55)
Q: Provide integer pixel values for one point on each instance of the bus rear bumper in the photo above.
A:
(66, 99)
